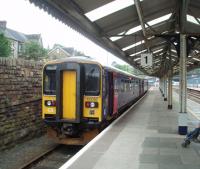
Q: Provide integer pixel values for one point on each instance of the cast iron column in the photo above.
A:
(165, 88)
(161, 86)
(170, 90)
(170, 74)
(182, 121)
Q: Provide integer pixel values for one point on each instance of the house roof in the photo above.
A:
(18, 36)
(131, 27)
(69, 50)
(36, 37)
(57, 46)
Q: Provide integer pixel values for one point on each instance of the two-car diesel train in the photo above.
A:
(80, 97)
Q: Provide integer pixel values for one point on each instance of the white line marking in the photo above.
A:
(85, 148)
(196, 115)
(193, 113)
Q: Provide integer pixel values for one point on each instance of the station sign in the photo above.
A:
(146, 59)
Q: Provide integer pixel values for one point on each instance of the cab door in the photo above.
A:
(68, 96)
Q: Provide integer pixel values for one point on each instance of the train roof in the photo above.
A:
(121, 71)
(79, 59)
(88, 59)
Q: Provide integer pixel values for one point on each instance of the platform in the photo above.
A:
(193, 108)
(144, 138)
(194, 88)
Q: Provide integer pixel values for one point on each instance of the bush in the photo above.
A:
(32, 50)
(5, 46)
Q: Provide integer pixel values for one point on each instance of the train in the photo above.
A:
(80, 97)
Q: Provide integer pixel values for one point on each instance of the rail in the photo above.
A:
(191, 92)
(59, 153)
(41, 156)
(194, 93)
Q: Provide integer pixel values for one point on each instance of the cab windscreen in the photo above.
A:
(92, 79)
(50, 80)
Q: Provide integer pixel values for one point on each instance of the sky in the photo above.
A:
(22, 16)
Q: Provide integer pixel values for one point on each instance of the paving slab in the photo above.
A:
(145, 138)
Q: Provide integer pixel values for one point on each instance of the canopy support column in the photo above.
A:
(182, 121)
(170, 90)
(165, 88)
(170, 75)
(161, 86)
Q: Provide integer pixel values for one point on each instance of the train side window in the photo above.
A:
(50, 80)
(121, 85)
(92, 79)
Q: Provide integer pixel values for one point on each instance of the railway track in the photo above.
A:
(53, 158)
(192, 94)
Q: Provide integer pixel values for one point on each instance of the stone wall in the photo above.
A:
(20, 101)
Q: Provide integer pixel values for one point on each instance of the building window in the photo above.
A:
(20, 48)
(58, 51)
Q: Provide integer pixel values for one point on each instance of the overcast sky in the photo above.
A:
(26, 18)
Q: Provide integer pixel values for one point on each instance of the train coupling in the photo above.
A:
(70, 129)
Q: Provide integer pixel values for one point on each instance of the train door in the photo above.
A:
(105, 94)
(115, 93)
(140, 87)
(68, 97)
(110, 93)
(69, 94)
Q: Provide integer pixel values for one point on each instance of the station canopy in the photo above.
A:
(128, 28)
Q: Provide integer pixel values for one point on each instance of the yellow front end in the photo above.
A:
(93, 112)
(92, 103)
(78, 105)
(48, 111)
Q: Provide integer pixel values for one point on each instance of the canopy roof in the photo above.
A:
(128, 28)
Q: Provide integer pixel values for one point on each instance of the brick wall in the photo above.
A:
(20, 101)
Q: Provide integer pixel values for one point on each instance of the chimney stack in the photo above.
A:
(3, 25)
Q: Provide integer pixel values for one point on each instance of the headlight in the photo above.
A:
(91, 104)
(50, 103)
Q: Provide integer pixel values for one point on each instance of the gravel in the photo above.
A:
(22, 153)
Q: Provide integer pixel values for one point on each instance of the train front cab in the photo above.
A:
(72, 101)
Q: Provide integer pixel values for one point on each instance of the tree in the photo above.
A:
(5, 46)
(32, 50)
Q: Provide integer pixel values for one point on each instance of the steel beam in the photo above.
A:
(182, 121)
(182, 15)
(141, 19)
(70, 14)
(142, 23)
